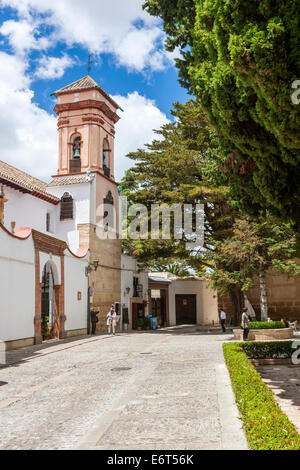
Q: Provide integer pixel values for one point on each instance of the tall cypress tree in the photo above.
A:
(240, 59)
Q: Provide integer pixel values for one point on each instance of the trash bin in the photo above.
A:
(153, 323)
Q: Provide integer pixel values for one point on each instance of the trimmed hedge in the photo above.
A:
(266, 426)
(268, 350)
(266, 325)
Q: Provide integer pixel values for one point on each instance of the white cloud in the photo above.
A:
(137, 48)
(23, 36)
(28, 133)
(29, 138)
(53, 67)
(135, 128)
(118, 27)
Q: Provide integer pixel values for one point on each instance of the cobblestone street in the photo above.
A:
(150, 390)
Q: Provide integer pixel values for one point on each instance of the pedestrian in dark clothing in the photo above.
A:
(94, 320)
(245, 324)
(287, 325)
(223, 320)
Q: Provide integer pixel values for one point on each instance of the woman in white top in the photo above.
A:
(111, 320)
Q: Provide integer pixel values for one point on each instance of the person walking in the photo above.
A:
(245, 323)
(111, 320)
(94, 319)
(223, 320)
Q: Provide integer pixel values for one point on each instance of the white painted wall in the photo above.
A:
(17, 287)
(83, 210)
(28, 211)
(75, 281)
(129, 271)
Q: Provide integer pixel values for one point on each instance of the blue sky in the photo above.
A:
(45, 45)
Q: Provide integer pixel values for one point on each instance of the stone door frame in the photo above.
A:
(51, 247)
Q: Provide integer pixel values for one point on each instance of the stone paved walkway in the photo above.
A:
(150, 390)
(284, 381)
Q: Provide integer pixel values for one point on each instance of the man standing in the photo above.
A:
(94, 319)
(245, 323)
(223, 320)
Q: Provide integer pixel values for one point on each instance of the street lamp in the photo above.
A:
(91, 267)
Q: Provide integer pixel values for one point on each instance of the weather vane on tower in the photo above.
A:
(89, 67)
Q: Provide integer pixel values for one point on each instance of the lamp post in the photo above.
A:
(91, 267)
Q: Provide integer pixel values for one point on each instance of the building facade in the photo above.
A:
(134, 293)
(177, 301)
(53, 231)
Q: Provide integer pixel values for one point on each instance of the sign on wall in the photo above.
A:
(155, 293)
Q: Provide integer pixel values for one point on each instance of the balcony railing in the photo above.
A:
(75, 165)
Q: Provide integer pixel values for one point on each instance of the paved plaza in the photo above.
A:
(148, 390)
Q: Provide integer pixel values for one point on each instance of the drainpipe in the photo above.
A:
(88, 329)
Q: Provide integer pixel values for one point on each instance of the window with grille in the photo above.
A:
(48, 222)
(66, 207)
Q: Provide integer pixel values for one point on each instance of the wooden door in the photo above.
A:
(185, 309)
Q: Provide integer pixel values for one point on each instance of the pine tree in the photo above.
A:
(253, 249)
(182, 167)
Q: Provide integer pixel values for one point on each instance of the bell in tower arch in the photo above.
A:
(76, 147)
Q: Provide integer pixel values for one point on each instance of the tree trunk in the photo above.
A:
(237, 300)
(263, 295)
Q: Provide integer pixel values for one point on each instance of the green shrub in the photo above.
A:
(258, 325)
(268, 350)
(140, 322)
(266, 426)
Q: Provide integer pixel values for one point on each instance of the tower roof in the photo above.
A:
(85, 83)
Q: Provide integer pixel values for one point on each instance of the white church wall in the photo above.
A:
(75, 292)
(28, 211)
(17, 287)
(67, 229)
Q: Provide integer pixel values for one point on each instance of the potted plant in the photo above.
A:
(140, 323)
(147, 323)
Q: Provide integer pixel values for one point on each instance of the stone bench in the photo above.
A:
(265, 334)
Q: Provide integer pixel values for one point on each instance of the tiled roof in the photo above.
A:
(84, 83)
(159, 279)
(65, 180)
(19, 179)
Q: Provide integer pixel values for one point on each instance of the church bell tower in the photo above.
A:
(86, 130)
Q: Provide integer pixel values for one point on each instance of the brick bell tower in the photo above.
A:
(86, 127)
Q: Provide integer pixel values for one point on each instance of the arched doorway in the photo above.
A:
(49, 320)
